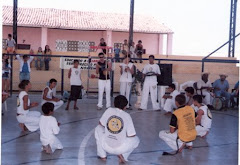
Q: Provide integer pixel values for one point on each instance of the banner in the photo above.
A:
(67, 63)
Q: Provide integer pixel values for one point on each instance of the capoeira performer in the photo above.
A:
(47, 95)
(150, 71)
(49, 127)
(115, 133)
(204, 86)
(204, 117)
(182, 127)
(126, 70)
(76, 84)
(170, 99)
(29, 120)
(103, 68)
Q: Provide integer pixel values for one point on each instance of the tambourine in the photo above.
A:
(150, 74)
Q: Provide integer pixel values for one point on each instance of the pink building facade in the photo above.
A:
(39, 37)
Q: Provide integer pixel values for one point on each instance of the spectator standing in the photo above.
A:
(6, 69)
(39, 59)
(11, 44)
(117, 53)
(139, 50)
(24, 67)
(103, 43)
(47, 58)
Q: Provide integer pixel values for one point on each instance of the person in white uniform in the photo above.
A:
(29, 120)
(182, 127)
(150, 72)
(74, 75)
(204, 86)
(170, 99)
(126, 70)
(103, 68)
(48, 96)
(115, 133)
(204, 117)
(49, 127)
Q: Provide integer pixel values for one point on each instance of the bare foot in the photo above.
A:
(205, 135)
(181, 148)
(168, 113)
(76, 108)
(121, 159)
(67, 108)
(21, 125)
(189, 147)
(103, 159)
(48, 149)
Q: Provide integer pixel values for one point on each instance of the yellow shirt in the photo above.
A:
(185, 117)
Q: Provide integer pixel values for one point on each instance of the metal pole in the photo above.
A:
(15, 3)
(131, 24)
(11, 75)
(62, 82)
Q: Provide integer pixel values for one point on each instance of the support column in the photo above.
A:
(108, 37)
(160, 44)
(169, 43)
(44, 34)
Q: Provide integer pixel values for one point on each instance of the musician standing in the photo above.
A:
(150, 72)
(103, 68)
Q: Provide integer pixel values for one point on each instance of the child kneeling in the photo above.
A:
(49, 127)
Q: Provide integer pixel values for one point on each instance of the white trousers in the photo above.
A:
(169, 105)
(149, 87)
(104, 85)
(56, 104)
(201, 131)
(171, 139)
(54, 144)
(125, 149)
(207, 98)
(125, 89)
(30, 120)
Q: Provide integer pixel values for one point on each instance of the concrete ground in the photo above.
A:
(77, 136)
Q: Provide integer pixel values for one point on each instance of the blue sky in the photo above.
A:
(199, 26)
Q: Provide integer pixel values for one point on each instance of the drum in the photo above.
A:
(218, 103)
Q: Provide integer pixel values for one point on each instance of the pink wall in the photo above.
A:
(31, 36)
(150, 41)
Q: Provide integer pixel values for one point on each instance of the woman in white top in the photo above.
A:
(29, 120)
(74, 75)
(126, 69)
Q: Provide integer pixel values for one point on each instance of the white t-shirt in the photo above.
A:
(126, 76)
(174, 94)
(49, 94)
(201, 84)
(151, 68)
(75, 76)
(20, 103)
(48, 129)
(206, 120)
(118, 125)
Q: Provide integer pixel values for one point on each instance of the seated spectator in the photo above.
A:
(24, 67)
(139, 50)
(11, 45)
(47, 58)
(117, 53)
(6, 70)
(234, 94)
(39, 59)
(103, 43)
(170, 99)
(125, 48)
(221, 87)
(204, 86)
